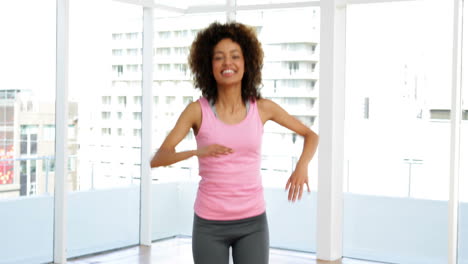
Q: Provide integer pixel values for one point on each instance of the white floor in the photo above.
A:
(179, 251)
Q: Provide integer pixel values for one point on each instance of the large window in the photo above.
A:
(289, 81)
(105, 95)
(104, 138)
(172, 87)
(27, 109)
(297, 94)
(27, 98)
(397, 152)
(295, 91)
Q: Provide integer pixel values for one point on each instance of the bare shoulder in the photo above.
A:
(266, 108)
(193, 107)
(193, 113)
(266, 104)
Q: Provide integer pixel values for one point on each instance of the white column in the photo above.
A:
(331, 130)
(146, 129)
(61, 137)
(455, 132)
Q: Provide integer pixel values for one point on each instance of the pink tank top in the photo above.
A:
(231, 185)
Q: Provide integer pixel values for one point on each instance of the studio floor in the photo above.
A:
(179, 251)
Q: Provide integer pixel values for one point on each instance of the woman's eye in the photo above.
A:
(217, 58)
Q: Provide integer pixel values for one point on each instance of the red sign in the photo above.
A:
(6, 167)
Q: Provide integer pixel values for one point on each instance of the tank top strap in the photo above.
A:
(205, 106)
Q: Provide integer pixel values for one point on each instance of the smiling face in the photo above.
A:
(228, 63)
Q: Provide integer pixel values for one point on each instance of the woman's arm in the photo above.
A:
(295, 184)
(190, 118)
(166, 154)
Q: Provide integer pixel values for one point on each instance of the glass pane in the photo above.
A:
(172, 87)
(103, 133)
(290, 78)
(172, 92)
(397, 131)
(463, 179)
(105, 95)
(27, 106)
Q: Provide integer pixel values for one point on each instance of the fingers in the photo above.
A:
(288, 183)
(216, 150)
(296, 190)
(300, 191)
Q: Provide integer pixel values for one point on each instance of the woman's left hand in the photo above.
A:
(295, 183)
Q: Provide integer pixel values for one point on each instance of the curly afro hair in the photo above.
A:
(201, 55)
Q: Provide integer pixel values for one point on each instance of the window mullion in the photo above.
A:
(146, 128)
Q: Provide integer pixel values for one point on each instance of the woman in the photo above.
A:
(226, 61)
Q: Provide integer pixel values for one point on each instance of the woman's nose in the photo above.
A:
(227, 61)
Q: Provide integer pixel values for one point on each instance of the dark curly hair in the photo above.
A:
(201, 55)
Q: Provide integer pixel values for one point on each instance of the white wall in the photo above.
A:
(397, 230)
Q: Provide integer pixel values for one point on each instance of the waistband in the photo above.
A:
(229, 222)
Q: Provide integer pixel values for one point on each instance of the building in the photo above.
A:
(28, 144)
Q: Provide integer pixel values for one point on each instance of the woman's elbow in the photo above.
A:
(155, 162)
(312, 135)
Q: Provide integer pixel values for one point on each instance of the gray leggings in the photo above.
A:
(248, 238)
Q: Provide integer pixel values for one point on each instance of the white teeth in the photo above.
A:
(228, 71)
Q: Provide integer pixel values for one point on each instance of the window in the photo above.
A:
(170, 99)
(122, 100)
(137, 100)
(28, 136)
(118, 69)
(310, 66)
(133, 67)
(181, 33)
(164, 67)
(132, 35)
(117, 36)
(164, 34)
(181, 50)
(48, 165)
(293, 66)
(137, 116)
(392, 103)
(182, 68)
(106, 100)
(187, 100)
(106, 131)
(29, 106)
(105, 115)
(33, 146)
(24, 144)
(117, 52)
(137, 133)
(132, 52)
(163, 51)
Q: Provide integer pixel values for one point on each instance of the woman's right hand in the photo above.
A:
(213, 150)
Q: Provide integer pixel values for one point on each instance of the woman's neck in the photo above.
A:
(230, 99)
